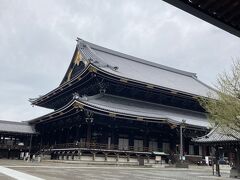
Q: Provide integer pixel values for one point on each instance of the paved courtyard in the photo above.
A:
(54, 171)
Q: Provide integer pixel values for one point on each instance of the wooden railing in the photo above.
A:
(13, 146)
(98, 146)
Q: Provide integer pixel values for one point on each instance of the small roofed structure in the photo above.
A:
(15, 138)
(16, 127)
(225, 142)
(221, 136)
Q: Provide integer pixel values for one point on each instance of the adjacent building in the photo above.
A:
(225, 147)
(15, 139)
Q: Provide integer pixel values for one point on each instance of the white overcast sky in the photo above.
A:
(37, 41)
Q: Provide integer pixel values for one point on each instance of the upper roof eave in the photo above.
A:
(87, 46)
(72, 81)
(60, 88)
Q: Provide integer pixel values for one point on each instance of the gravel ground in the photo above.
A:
(54, 171)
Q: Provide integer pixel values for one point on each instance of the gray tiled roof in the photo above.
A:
(133, 108)
(144, 71)
(219, 134)
(16, 127)
(145, 109)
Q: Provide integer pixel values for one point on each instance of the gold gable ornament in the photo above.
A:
(92, 69)
(78, 58)
(78, 106)
(69, 75)
(123, 80)
(150, 86)
(112, 114)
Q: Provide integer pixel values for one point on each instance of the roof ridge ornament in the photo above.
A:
(76, 96)
(80, 43)
(84, 97)
(94, 58)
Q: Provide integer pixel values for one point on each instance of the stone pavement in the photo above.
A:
(54, 171)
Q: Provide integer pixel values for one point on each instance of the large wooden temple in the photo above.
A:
(114, 107)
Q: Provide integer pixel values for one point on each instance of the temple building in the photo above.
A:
(111, 105)
(15, 139)
(115, 107)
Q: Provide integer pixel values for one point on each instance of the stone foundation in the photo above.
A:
(99, 158)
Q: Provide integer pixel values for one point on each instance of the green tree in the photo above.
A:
(224, 105)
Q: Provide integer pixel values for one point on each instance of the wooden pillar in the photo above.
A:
(57, 136)
(212, 157)
(79, 154)
(217, 162)
(204, 150)
(77, 138)
(128, 157)
(30, 145)
(93, 156)
(67, 135)
(41, 138)
(9, 153)
(104, 137)
(117, 157)
(113, 129)
(60, 132)
(105, 156)
(186, 146)
(89, 133)
(238, 157)
(145, 138)
(131, 139)
(89, 120)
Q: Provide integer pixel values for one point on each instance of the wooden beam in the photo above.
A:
(206, 16)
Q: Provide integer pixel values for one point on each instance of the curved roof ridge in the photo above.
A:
(211, 132)
(205, 136)
(210, 87)
(136, 59)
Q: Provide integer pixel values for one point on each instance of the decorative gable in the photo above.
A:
(76, 66)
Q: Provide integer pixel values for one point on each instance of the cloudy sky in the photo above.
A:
(37, 41)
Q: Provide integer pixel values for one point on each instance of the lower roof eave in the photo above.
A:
(218, 143)
(162, 120)
(69, 108)
(19, 133)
